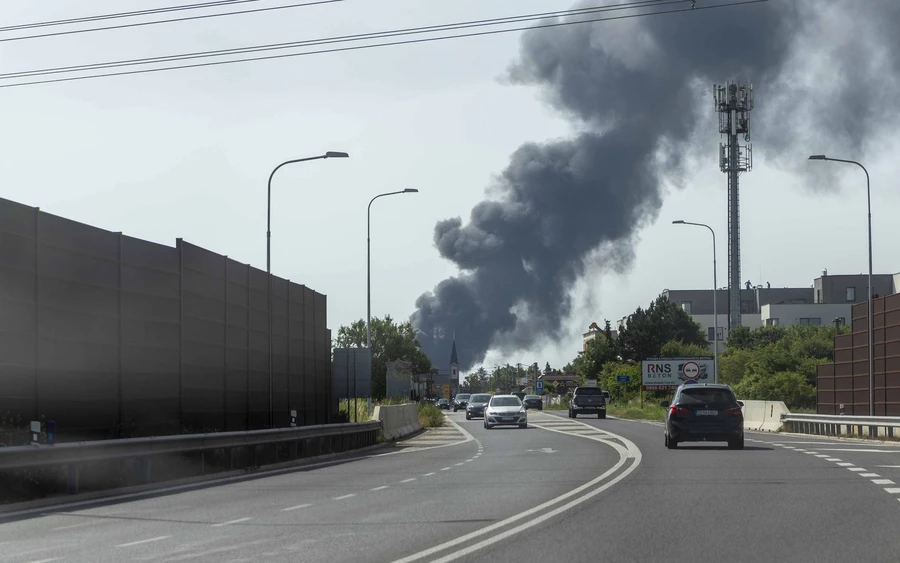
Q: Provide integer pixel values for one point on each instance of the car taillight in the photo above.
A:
(678, 409)
(733, 411)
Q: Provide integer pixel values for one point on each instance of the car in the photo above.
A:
(460, 401)
(587, 400)
(505, 410)
(533, 402)
(703, 412)
(476, 404)
(443, 404)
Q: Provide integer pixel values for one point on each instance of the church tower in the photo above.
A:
(454, 366)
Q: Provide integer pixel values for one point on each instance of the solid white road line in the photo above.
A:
(144, 541)
(298, 507)
(230, 522)
(630, 450)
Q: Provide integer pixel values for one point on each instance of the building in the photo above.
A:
(594, 331)
(828, 300)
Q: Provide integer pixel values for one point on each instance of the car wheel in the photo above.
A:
(574, 414)
(487, 426)
(736, 444)
(468, 417)
(671, 443)
(523, 426)
(601, 415)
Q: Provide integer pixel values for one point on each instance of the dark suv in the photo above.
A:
(460, 401)
(703, 412)
(587, 400)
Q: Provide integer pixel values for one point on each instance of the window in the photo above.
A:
(813, 321)
(818, 296)
(711, 333)
(686, 305)
(841, 321)
(721, 333)
(851, 294)
(772, 322)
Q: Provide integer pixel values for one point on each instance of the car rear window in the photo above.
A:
(706, 396)
(505, 402)
(532, 397)
(462, 397)
(480, 398)
(589, 391)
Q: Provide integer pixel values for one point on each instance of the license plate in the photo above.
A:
(506, 419)
(707, 413)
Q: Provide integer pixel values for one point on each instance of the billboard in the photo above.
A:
(660, 374)
(352, 373)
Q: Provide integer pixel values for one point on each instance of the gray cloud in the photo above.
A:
(635, 87)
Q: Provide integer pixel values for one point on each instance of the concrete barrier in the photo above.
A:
(764, 415)
(397, 421)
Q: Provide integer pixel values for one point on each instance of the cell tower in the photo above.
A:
(733, 104)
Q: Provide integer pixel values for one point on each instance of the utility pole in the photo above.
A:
(733, 103)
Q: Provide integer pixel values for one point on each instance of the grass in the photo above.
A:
(632, 410)
(430, 416)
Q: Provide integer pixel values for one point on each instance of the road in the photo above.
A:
(560, 490)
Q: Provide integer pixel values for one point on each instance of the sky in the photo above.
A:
(499, 118)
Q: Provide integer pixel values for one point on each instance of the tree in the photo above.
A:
(547, 369)
(391, 341)
(648, 330)
(477, 382)
(599, 351)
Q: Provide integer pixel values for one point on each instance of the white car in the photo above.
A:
(505, 410)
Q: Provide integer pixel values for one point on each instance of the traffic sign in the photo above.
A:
(691, 371)
(623, 378)
(539, 386)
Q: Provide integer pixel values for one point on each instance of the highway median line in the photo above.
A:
(628, 451)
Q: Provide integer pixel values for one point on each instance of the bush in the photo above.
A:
(430, 416)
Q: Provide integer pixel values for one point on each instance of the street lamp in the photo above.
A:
(715, 299)
(329, 154)
(871, 316)
(369, 266)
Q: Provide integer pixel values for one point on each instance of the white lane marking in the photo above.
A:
(158, 538)
(774, 444)
(626, 452)
(234, 547)
(857, 469)
(800, 449)
(832, 459)
(230, 522)
(45, 560)
(467, 438)
(889, 466)
(457, 464)
(845, 464)
(822, 455)
(430, 474)
(445, 469)
(809, 453)
(893, 490)
(342, 497)
(883, 482)
(869, 475)
(408, 480)
(298, 507)
(470, 459)
(381, 488)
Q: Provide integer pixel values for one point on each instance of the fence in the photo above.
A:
(113, 336)
(842, 425)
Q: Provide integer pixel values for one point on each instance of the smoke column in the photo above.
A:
(639, 89)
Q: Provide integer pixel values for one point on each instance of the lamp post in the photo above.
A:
(329, 154)
(715, 299)
(871, 322)
(369, 266)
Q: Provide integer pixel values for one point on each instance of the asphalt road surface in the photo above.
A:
(561, 490)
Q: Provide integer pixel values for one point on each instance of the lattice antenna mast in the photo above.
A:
(733, 103)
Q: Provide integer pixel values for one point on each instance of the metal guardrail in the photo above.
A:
(834, 425)
(302, 440)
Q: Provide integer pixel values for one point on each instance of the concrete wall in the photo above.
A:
(398, 421)
(789, 314)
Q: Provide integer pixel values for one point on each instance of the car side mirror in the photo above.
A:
(664, 404)
(741, 403)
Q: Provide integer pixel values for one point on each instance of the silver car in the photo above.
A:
(503, 410)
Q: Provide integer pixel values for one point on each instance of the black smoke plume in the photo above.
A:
(640, 90)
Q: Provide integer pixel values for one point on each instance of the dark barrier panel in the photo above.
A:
(112, 336)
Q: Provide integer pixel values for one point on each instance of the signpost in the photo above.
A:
(623, 378)
(539, 386)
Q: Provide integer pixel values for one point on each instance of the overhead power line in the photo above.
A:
(515, 19)
(117, 15)
(339, 39)
(171, 20)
